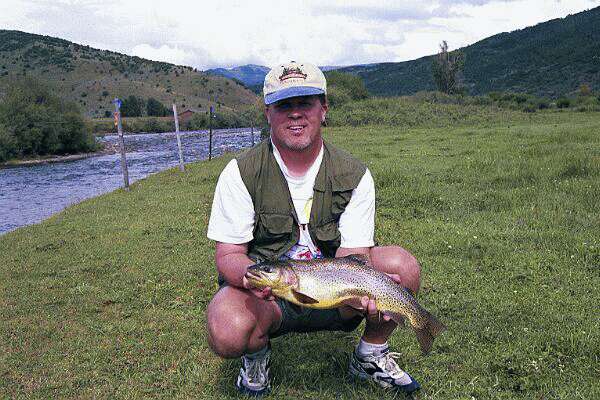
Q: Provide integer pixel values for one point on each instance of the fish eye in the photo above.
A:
(267, 269)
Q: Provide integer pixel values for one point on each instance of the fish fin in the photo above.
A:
(428, 332)
(302, 298)
(359, 258)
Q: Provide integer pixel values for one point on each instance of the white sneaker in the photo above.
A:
(381, 367)
(253, 379)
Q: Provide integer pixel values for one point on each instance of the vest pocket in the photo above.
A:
(273, 229)
(328, 234)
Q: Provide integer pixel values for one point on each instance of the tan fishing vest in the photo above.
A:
(276, 223)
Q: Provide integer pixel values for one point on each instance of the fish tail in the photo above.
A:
(428, 332)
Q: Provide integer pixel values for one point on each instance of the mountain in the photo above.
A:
(548, 59)
(92, 78)
(249, 74)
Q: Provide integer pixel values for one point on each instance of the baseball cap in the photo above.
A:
(293, 79)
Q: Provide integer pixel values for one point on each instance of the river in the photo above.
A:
(30, 194)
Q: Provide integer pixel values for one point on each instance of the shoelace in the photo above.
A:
(389, 364)
(257, 370)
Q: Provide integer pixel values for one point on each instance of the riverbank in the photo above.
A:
(106, 149)
(108, 298)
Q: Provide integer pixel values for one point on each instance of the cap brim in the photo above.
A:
(292, 92)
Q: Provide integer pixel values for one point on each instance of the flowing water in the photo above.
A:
(30, 194)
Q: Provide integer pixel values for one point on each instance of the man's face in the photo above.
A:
(296, 122)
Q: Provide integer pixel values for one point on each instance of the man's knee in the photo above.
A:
(396, 260)
(229, 328)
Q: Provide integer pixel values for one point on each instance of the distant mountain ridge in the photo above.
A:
(251, 75)
(549, 59)
(91, 78)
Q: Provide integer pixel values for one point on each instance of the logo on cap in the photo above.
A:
(290, 73)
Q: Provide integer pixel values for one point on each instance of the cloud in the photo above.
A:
(234, 32)
(163, 53)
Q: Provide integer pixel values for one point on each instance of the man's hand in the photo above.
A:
(370, 305)
(264, 294)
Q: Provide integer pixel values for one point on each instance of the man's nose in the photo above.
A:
(295, 113)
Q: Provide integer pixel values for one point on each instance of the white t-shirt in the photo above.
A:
(232, 215)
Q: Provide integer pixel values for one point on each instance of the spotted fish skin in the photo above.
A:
(334, 282)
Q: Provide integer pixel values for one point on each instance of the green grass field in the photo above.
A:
(107, 299)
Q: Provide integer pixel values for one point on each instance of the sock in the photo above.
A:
(366, 348)
(261, 353)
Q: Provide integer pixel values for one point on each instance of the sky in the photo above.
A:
(227, 33)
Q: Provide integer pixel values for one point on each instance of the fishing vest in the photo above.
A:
(276, 223)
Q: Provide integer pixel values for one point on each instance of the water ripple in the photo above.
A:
(30, 194)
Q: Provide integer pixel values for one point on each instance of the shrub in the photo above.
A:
(345, 87)
(543, 104)
(563, 102)
(155, 108)
(36, 122)
(132, 106)
(584, 90)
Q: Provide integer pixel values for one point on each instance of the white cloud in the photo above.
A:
(235, 32)
(166, 53)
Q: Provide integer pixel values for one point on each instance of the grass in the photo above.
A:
(107, 299)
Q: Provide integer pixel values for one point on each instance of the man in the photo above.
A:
(295, 196)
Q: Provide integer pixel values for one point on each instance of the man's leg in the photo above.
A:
(372, 359)
(239, 324)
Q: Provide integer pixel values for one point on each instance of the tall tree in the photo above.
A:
(155, 108)
(132, 106)
(446, 68)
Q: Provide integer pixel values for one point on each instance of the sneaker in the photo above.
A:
(253, 379)
(382, 368)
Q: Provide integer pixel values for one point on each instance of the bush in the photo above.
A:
(35, 122)
(563, 102)
(543, 104)
(155, 108)
(343, 87)
(132, 106)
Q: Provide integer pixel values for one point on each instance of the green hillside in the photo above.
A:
(549, 59)
(92, 78)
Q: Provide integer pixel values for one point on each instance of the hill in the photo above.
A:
(92, 78)
(548, 59)
(249, 75)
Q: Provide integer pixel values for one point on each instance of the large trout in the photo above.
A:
(334, 282)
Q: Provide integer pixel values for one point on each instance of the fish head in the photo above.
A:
(266, 274)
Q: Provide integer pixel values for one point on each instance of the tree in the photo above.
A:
(132, 106)
(343, 87)
(446, 68)
(155, 108)
(584, 90)
(36, 122)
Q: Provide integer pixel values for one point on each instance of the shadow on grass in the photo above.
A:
(311, 365)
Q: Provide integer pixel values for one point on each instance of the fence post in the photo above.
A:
(210, 117)
(121, 142)
(176, 118)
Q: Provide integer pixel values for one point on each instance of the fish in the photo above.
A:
(334, 282)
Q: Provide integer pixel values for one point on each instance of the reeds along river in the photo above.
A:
(30, 194)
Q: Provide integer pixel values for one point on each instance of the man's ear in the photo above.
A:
(267, 115)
